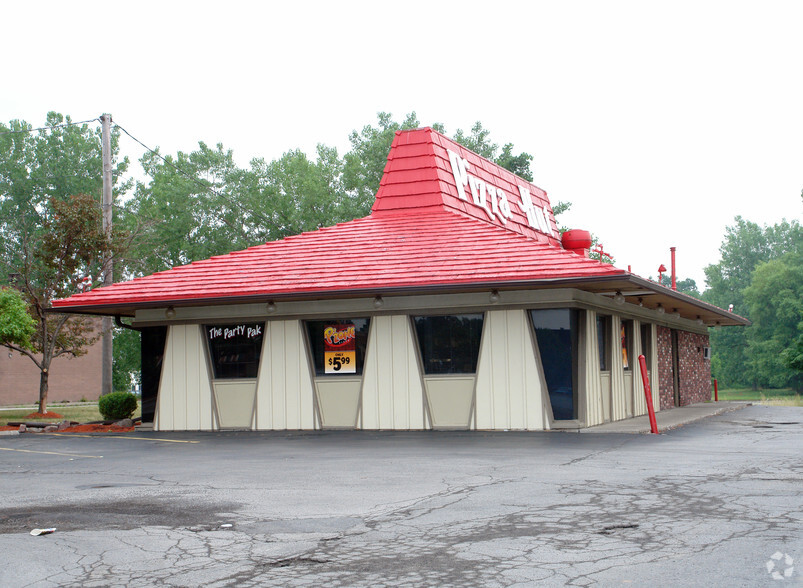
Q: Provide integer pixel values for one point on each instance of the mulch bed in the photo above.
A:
(43, 415)
(97, 429)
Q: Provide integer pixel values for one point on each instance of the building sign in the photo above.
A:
(493, 200)
(234, 332)
(340, 349)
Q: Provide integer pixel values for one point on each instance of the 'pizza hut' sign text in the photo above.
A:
(493, 200)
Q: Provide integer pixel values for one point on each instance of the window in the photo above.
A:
(449, 344)
(646, 347)
(338, 346)
(235, 349)
(603, 339)
(626, 336)
(556, 331)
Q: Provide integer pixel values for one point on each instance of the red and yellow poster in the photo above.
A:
(340, 349)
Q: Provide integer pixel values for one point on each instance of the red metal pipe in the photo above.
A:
(648, 394)
(716, 392)
(674, 275)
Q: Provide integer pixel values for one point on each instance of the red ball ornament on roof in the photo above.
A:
(577, 240)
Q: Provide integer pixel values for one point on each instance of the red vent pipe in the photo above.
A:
(674, 275)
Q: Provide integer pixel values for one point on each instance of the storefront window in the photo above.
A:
(449, 344)
(556, 332)
(646, 346)
(603, 338)
(338, 345)
(235, 349)
(626, 336)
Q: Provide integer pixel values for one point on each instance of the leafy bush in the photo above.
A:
(117, 405)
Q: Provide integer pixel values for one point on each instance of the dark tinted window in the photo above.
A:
(646, 331)
(556, 332)
(449, 344)
(603, 338)
(338, 346)
(235, 349)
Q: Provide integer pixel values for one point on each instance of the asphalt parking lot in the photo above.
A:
(715, 503)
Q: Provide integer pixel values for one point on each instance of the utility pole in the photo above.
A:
(108, 276)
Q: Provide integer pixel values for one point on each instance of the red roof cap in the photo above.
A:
(427, 170)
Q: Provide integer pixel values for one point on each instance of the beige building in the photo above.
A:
(455, 305)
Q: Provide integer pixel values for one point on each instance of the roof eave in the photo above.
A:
(636, 290)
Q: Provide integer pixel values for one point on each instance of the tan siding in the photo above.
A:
(185, 392)
(509, 390)
(392, 394)
(284, 389)
(618, 402)
(589, 368)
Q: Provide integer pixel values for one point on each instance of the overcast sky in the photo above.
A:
(659, 121)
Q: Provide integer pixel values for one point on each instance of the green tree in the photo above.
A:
(745, 246)
(775, 300)
(50, 187)
(36, 166)
(687, 286)
(71, 246)
(16, 324)
(364, 164)
(127, 360)
(199, 204)
(188, 210)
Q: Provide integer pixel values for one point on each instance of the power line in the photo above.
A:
(197, 182)
(50, 128)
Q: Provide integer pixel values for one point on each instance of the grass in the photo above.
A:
(776, 397)
(81, 414)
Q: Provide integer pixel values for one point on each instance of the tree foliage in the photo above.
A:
(775, 300)
(746, 245)
(51, 235)
(687, 285)
(126, 360)
(16, 325)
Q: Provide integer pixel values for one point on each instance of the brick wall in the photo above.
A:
(666, 385)
(695, 372)
(70, 378)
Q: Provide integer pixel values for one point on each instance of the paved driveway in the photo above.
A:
(708, 504)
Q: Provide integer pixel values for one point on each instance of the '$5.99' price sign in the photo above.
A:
(340, 349)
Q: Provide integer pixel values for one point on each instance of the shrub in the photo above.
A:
(117, 405)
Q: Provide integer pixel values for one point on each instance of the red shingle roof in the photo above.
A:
(420, 234)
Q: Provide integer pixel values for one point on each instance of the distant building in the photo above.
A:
(455, 305)
(70, 378)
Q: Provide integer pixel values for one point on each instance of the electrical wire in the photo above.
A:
(39, 129)
(205, 187)
(197, 182)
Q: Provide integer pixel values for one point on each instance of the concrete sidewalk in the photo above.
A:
(668, 419)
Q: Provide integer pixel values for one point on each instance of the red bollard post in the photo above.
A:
(648, 394)
(716, 392)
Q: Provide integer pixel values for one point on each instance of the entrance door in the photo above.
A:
(675, 368)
